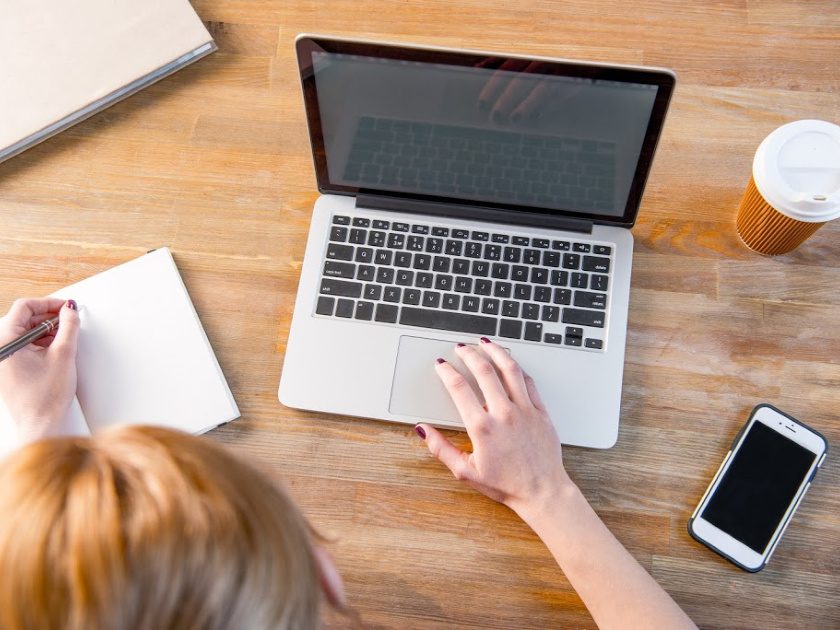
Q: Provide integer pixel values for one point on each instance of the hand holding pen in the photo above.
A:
(38, 380)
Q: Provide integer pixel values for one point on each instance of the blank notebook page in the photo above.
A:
(143, 355)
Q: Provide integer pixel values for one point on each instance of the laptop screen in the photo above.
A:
(511, 133)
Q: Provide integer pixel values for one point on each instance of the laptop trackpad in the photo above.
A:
(417, 389)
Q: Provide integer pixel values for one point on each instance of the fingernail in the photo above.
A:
(461, 345)
(439, 360)
(71, 304)
(485, 340)
(483, 105)
(420, 431)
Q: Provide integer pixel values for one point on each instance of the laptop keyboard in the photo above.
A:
(496, 284)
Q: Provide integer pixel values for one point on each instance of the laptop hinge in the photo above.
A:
(480, 213)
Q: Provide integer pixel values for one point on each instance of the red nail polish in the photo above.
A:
(419, 430)
(72, 305)
(439, 360)
(461, 345)
(485, 340)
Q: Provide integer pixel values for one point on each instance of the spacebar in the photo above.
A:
(443, 320)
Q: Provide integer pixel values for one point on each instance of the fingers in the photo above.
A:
(498, 82)
(456, 460)
(67, 335)
(510, 371)
(460, 391)
(26, 311)
(534, 395)
(485, 375)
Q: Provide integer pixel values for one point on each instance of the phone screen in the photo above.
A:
(758, 486)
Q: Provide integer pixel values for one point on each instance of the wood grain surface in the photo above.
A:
(215, 163)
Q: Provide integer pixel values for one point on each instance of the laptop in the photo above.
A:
(464, 195)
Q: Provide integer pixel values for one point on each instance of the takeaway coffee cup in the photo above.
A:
(794, 188)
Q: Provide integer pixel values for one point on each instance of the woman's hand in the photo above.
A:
(516, 456)
(38, 382)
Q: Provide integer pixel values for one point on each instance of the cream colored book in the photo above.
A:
(62, 61)
(143, 355)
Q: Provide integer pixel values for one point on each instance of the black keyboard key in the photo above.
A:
(434, 245)
(402, 259)
(480, 236)
(594, 343)
(490, 306)
(411, 296)
(338, 234)
(552, 338)
(470, 303)
(571, 261)
(596, 263)
(480, 268)
(510, 308)
(521, 240)
(500, 238)
(562, 246)
(542, 294)
(511, 329)
(341, 288)
(366, 273)
(531, 257)
(383, 257)
(473, 250)
(422, 262)
(431, 299)
(420, 229)
(443, 282)
(392, 294)
(339, 252)
(492, 252)
(451, 302)
(573, 341)
(559, 278)
(440, 231)
(603, 250)
(385, 275)
(463, 284)
(360, 222)
(454, 248)
(444, 320)
(358, 236)
(580, 280)
(551, 259)
(379, 224)
(574, 331)
(530, 311)
(482, 286)
(386, 313)
(599, 283)
(376, 238)
(539, 242)
(400, 227)
(533, 331)
(415, 243)
(512, 254)
(396, 240)
(550, 313)
(590, 300)
(325, 305)
(522, 292)
(363, 255)
(441, 264)
(502, 289)
(364, 311)
(460, 234)
(341, 220)
(500, 271)
(461, 267)
(424, 280)
(539, 275)
(562, 296)
(344, 308)
(335, 269)
(405, 278)
(373, 291)
(581, 247)
(583, 318)
(519, 273)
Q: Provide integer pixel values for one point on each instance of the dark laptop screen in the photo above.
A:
(501, 132)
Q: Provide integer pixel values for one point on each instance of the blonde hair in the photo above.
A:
(149, 528)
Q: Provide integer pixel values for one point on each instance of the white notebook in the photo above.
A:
(143, 355)
(64, 60)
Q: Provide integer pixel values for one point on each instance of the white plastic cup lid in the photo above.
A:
(797, 170)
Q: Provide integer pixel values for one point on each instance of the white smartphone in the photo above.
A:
(755, 492)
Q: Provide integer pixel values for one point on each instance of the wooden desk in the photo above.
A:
(215, 163)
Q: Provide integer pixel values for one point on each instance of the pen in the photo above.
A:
(41, 330)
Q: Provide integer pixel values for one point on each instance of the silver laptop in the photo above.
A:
(467, 195)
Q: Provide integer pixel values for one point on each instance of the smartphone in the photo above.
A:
(755, 492)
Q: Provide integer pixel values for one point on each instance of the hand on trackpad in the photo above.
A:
(417, 390)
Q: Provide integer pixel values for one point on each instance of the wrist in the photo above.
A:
(555, 498)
